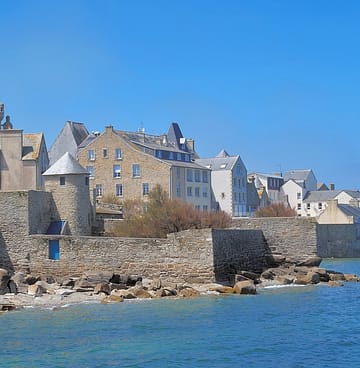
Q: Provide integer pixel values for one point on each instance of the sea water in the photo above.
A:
(304, 326)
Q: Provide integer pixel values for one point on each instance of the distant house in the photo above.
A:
(228, 183)
(336, 213)
(270, 183)
(127, 165)
(23, 158)
(253, 198)
(304, 178)
(315, 202)
(68, 140)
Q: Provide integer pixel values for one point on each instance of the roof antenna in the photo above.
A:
(141, 129)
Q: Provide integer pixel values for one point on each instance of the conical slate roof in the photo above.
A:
(222, 153)
(65, 165)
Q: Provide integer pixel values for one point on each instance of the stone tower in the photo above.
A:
(68, 182)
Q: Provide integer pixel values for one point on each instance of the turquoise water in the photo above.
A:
(316, 326)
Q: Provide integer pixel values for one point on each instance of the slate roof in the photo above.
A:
(221, 162)
(297, 175)
(68, 140)
(66, 165)
(321, 195)
(352, 193)
(350, 210)
(31, 146)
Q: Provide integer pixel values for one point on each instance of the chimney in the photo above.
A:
(354, 202)
(332, 186)
(332, 205)
(7, 125)
(1, 111)
(191, 144)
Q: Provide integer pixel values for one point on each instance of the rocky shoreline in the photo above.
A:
(19, 290)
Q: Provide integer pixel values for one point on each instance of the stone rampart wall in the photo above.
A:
(197, 256)
(339, 241)
(292, 237)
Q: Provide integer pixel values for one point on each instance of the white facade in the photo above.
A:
(293, 194)
(228, 183)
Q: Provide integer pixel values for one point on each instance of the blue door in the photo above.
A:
(54, 249)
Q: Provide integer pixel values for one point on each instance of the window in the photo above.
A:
(189, 175)
(105, 153)
(116, 171)
(136, 170)
(146, 188)
(205, 208)
(119, 190)
(197, 207)
(178, 190)
(298, 195)
(90, 170)
(178, 172)
(62, 180)
(197, 176)
(308, 206)
(91, 155)
(197, 192)
(118, 155)
(178, 156)
(171, 155)
(205, 178)
(159, 153)
(87, 181)
(204, 193)
(222, 195)
(299, 206)
(98, 190)
(189, 191)
(187, 158)
(320, 206)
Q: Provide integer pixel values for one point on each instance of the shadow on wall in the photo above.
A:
(5, 260)
(240, 250)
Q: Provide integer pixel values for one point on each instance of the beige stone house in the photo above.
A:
(127, 165)
(23, 158)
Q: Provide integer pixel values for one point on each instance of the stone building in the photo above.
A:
(23, 157)
(69, 184)
(127, 165)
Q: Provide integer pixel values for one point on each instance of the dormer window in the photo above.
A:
(91, 155)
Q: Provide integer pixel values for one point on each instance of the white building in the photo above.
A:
(228, 183)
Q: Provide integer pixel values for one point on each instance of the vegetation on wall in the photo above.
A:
(162, 215)
(276, 210)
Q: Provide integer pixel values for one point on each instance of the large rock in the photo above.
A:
(188, 292)
(4, 280)
(102, 287)
(310, 278)
(245, 287)
(311, 262)
(126, 294)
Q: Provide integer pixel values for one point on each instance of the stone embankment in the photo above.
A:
(22, 290)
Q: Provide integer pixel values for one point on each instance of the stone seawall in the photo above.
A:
(292, 237)
(339, 240)
(192, 256)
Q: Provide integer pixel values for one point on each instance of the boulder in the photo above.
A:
(245, 287)
(249, 275)
(102, 287)
(351, 277)
(36, 290)
(310, 278)
(165, 292)
(126, 294)
(222, 289)
(336, 276)
(151, 284)
(188, 292)
(4, 280)
(30, 280)
(140, 292)
(311, 262)
(83, 285)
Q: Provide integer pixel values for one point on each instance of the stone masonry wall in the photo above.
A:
(22, 213)
(292, 237)
(198, 256)
(339, 241)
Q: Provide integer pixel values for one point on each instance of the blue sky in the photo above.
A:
(276, 82)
